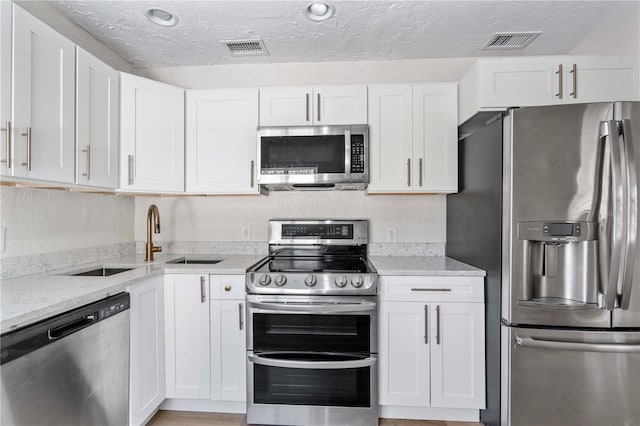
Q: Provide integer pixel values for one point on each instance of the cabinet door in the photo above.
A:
(187, 337)
(97, 102)
(286, 106)
(5, 88)
(43, 101)
(221, 141)
(601, 79)
(147, 368)
(435, 138)
(340, 105)
(457, 355)
(507, 82)
(390, 137)
(228, 350)
(152, 135)
(404, 354)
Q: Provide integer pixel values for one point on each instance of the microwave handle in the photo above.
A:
(347, 151)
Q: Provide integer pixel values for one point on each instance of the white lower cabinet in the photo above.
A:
(432, 346)
(228, 341)
(147, 367)
(188, 366)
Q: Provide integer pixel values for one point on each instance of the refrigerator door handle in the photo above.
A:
(530, 342)
(632, 215)
(609, 130)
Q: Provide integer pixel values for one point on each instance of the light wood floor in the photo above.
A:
(186, 418)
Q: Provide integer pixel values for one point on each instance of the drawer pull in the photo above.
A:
(430, 289)
(227, 287)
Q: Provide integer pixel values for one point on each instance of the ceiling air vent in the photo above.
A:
(505, 41)
(248, 47)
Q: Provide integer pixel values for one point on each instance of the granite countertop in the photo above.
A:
(423, 265)
(27, 299)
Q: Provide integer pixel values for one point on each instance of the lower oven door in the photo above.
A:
(289, 388)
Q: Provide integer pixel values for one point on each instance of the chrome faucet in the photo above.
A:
(153, 217)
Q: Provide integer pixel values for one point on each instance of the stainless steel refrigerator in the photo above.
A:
(548, 205)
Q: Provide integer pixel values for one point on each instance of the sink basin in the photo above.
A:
(187, 261)
(100, 272)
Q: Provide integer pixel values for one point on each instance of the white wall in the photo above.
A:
(45, 220)
(417, 218)
(317, 73)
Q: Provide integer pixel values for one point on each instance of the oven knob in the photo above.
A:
(357, 281)
(264, 279)
(310, 281)
(280, 280)
(341, 281)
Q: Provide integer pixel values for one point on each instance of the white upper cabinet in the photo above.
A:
(499, 83)
(151, 135)
(5, 88)
(221, 141)
(413, 138)
(43, 101)
(97, 129)
(305, 106)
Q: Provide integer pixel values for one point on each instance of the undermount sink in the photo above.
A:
(100, 272)
(187, 261)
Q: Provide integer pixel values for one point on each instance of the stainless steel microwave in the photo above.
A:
(313, 157)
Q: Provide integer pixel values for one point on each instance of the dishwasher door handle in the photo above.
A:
(71, 327)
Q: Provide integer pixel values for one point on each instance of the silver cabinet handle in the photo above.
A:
(610, 131)
(430, 289)
(252, 172)
(202, 291)
(574, 71)
(559, 72)
(87, 150)
(426, 324)
(632, 214)
(307, 106)
(408, 171)
(420, 172)
(576, 346)
(438, 324)
(130, 170)
(7, 139)
(28, 135)
(318, 106)
(240, 321)
(312, 365)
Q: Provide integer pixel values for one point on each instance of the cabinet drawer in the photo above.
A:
(431, 289)
(226, 286)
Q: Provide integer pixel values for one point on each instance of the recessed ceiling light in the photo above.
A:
(319, 11)
(161, 17)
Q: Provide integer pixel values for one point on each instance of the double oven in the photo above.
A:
(312, 345)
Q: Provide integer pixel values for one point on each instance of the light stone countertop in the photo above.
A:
(31, 298)
(423, 265)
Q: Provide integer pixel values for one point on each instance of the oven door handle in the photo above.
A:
(312, 365)
(319, 308)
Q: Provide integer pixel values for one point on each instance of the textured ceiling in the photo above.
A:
(360, 30)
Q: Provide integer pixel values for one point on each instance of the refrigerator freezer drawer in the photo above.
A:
(567, 377)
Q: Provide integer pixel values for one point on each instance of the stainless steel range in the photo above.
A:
(312, 338)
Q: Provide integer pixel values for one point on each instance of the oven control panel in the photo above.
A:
(303, 283)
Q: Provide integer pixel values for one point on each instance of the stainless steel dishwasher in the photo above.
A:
(71, 369)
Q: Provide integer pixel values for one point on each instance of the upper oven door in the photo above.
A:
(312, 155)
(312, 324)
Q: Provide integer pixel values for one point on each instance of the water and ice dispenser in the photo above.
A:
(560, 264)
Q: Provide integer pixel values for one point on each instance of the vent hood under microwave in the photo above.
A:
(313, 157)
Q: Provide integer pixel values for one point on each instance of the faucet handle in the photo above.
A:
(157, 249)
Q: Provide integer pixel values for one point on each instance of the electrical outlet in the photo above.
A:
(392, 236)
(245, 233)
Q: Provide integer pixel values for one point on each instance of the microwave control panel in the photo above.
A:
(357, 154)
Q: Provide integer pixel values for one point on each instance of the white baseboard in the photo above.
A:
(204, 405)
(428, 413)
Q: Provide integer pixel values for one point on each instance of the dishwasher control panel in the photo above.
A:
(114, 308)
